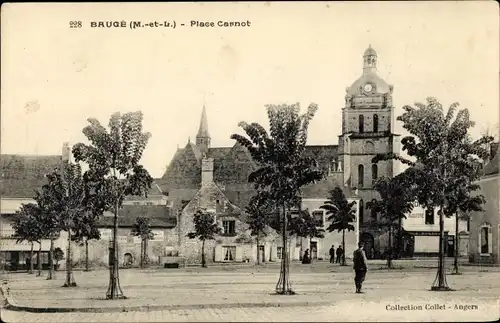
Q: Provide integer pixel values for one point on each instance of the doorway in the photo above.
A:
(262, 254)
(369, 243)
(314, 250)
(450, 246)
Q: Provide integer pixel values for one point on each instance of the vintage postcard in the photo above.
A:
(250, 161)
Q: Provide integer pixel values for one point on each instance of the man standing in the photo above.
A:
(360, 266)
(332, 254)
(340, 253)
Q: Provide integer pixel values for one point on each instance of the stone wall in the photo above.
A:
(127, 244)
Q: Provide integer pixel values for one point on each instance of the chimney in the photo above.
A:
(207, 170)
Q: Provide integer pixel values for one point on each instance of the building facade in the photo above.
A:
(422, 234)
(484, 246)
(21, 175)
(367, 130)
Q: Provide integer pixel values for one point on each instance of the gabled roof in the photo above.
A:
(21, 175)
(206, 198)
(492, 167)
(29, 167)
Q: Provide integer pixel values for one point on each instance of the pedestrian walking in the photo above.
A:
(332, 254)
(360, 267)
(340, 253)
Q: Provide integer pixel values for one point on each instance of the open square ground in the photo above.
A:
(324, 293)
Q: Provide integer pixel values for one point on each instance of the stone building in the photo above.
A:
(367, 129)
(21, 175)
(484, 245)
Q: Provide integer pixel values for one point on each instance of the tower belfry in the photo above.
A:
(203, 137)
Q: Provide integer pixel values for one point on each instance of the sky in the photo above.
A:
(55, 77)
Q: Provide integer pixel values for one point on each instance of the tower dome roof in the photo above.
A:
(369, 76)
(378, 84)
(370, 51)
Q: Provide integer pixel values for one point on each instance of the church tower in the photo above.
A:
(203, 137)
(367, 130)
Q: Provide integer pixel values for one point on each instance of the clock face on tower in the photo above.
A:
(368, 87)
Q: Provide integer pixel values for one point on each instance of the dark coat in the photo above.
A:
(359, 260)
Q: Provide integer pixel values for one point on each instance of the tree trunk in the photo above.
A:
(343, 248)
(146, 256)
(30, 269)
(457, 241)
(310, 251)
(400, 237)
(142, 254)
(283, 286)
(258, 250)
(301, 254)
(114, 290)
(51, 260)
(86, 254)
(389, 253)
(203, 263)
(70, 280)
(440, 283)
(39, 260)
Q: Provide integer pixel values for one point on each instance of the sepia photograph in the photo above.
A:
(250, 162)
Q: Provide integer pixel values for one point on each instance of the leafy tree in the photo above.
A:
(396, 201)
(462, 199)
(114, 172)
(258, 211)
(50, 220)
(205, 228)
(142, 229)
(86, 229)
(283, 167)
(27, 227)
(306, 226)
(65, 197)
(439, 147)
(58, 255)
(341, 213)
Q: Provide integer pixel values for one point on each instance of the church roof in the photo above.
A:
(232, 165)
(322, 188)
(203, 130)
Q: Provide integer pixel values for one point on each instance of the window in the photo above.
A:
(484, 240)
(361, 123)
(279, 252)
(229, 253)
(375, 123)
(374, 172)
(361, 211)
(429, 216)
(318, 218)
(361, 175)
(229, 227)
